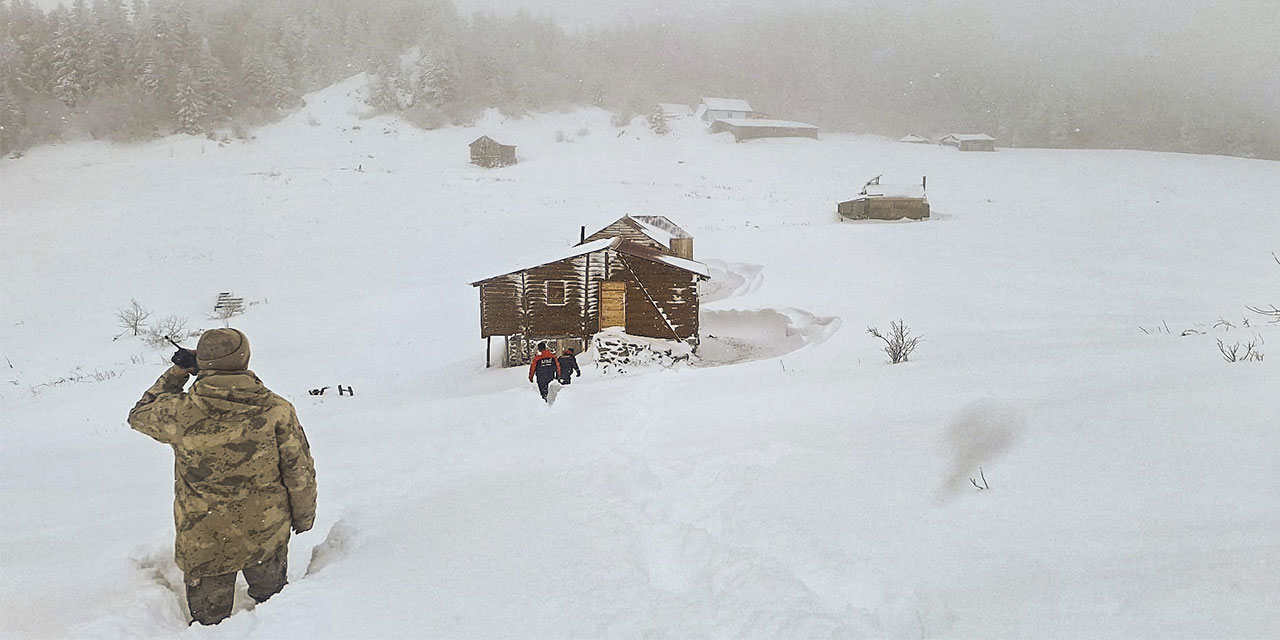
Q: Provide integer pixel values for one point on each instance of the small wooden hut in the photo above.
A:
(487, 152)
(969, 141)
(609, 282)
(887, 202)
(751, 128)
(914, 139)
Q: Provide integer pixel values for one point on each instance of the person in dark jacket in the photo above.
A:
(568, 365)
(545, 368)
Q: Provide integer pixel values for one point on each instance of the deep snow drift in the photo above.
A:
(800, 487)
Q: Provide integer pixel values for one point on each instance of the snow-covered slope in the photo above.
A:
(792, 485)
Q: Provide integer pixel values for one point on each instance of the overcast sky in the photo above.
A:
(587, 13)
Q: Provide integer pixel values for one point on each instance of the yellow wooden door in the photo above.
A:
(613, 304)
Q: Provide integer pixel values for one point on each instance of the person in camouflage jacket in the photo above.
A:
(243, 473)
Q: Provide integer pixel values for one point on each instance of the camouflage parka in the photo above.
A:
(243, 472)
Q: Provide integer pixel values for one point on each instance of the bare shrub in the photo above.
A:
(1231, 353)
(168, 327)
(899, 344)
(133, 318)
(583, 132)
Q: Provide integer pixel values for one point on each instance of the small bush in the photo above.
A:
(899, 344)
(1231, 353)
(133, 318)
(168, 328)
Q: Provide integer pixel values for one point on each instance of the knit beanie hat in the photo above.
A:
(223, 350)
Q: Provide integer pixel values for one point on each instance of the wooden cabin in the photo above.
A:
(712, 109)
(608, 282)
(887, 202)
(751, 128)
(969, 141)
(655, 232)
(914, 139)
(487, 152)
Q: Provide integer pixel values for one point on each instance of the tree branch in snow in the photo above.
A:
(899, 344)
(984, 485)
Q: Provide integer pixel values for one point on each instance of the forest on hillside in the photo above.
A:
(130, 70)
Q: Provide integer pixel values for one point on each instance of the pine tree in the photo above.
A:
(188, 105)
(382, 90)
(149, 75)
(256, 81)
(12, 121)
(436, 80)
(66, 59)
(658, 122)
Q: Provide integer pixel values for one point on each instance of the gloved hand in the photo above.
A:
(299, 528)
(186, 359)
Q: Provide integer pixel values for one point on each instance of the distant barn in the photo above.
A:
(969, 141)
(751, 128)
(487, 152)
(887, 202)
(609, 281)
(914, 139)
(712, 109)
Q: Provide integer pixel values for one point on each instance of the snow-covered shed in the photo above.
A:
(887, 202)
(969, 141)
(609, 282)
(712, 109)
(750, 128)
(673, 110)
(655, 232)
(914, 139)
(487, 152)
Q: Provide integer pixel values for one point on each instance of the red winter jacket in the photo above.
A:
(546, 353)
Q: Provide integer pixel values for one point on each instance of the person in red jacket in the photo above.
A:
(545, 367)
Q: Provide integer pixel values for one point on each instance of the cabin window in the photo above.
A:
(555, 293)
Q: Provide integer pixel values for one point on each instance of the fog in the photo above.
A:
(1182, 75)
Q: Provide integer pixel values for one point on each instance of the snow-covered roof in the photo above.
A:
(758, 122)
(726, 104)
(565, 254)
(483, 138)
(675, 109)
(911, 137)
(641, 251)
(660, 229)
(617, 244)
(892, 191)
(966, 137)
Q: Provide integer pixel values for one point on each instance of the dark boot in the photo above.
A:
(210, 598)
(268, 577)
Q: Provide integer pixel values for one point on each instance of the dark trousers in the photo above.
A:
(542, 387)
(210, 598)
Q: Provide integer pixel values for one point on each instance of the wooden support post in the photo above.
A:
(488, 348)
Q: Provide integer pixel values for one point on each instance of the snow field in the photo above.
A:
(803, 488)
